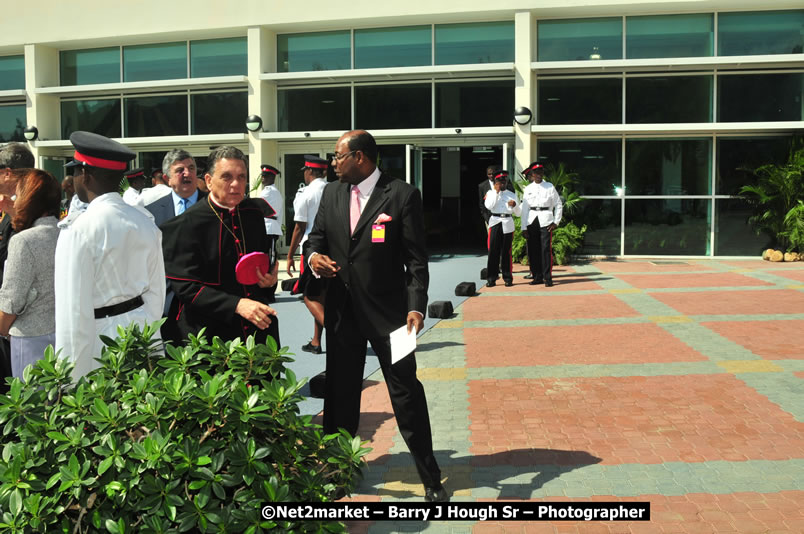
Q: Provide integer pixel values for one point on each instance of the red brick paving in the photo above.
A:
(546, 307)
(768, 301)
(760, 264)
(799, 374)
(646, 266)
(566, 282)
(644, 281)
(647, 420)
(796, 276)
(588, 344)
(773, 340)
(743, 513)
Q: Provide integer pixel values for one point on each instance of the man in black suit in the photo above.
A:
(368, 241)
(180, 168)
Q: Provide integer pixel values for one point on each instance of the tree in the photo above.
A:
(776, 199)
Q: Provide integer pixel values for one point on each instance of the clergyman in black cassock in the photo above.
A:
(201, 249)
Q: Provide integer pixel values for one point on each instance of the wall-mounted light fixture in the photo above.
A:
(522, 115)
(253, 123)
(30, 133)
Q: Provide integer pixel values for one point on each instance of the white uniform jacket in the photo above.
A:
(110, 254)
(497, 204)
(305, 205)
(131, 196)
(273, 197)
(541, 196)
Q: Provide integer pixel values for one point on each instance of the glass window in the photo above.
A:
(597, 163)
(474, 103)
(485, 42)
(12, 72)
(218, 57)
(766, 97)
(668, 99)
(393, 47)
(736, 156)
(668, 167)
(734, 235)
(83, 67)
(157, 115)
(667, 226)
(98, 116)
(669, 36)
(12, 123)
(768, 32)
(166, 61)
(325, 108)
(219, 112)
(393, 106)
(602, 220)
(580, 101)
(580, 39)
(313, 51)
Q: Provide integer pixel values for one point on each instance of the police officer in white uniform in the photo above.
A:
(541, 208)
(109, 259)
(502, 204)
(305, 208)
(273, 224)
(136, 182)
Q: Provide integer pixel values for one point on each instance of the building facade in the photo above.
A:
(659, 108)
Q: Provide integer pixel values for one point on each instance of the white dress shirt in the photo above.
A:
(273, 197)
(542, 195)
(497, 203)
(109, 255)
(305, 205)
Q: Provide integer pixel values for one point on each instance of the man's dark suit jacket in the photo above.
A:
(385, 279)
(483, 188)
(164, 210)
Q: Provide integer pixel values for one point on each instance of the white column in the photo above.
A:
(524, 44)
(42, 111)
(261, 99)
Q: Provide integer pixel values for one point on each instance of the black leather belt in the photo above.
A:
(272, 217)
(503, 215)
(119, 308)
(540, 209)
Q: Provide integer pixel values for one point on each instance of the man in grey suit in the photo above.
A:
(182, 173)
(179, 167)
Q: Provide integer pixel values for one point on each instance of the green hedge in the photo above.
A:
(193, 440)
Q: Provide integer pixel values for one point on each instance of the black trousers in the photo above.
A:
(499, 254)
(346, 358)
(540, 251)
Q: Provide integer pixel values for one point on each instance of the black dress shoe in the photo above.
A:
(436, 494)
(491, 283)
(528, 276)
(536, 282)
(315, 349)
(509, 284)
(548, 283)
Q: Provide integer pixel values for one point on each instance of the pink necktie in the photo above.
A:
(354, 208)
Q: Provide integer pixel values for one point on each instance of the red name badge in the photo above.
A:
(378, 233)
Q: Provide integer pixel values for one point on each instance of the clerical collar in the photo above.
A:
(219, 205)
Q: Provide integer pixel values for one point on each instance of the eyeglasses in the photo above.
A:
(339, 157)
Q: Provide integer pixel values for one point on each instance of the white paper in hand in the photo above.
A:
(402, 343)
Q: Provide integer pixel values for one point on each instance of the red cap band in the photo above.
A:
(270, 171)
(501, 175)
(101, 163)
(315, 165)
(135, 175)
